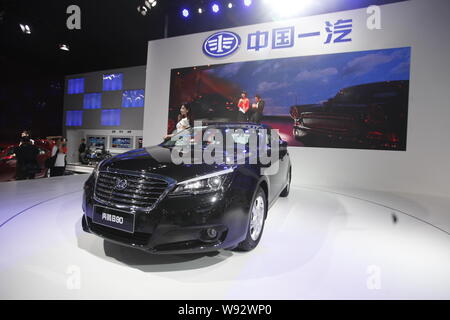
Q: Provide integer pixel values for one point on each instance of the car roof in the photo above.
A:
(381, 84)
(7, 144)
(236, 125)
(37, 142)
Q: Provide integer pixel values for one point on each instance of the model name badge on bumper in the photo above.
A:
(112, 218)
(120, 220)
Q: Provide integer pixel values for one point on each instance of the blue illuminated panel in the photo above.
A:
(111, 117)
(74, 118)
(133, 98)
(112, 81)
(75, 86)
(92, 101)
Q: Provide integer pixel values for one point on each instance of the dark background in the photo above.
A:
(113, 34)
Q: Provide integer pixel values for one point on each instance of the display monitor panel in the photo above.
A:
(122, 142)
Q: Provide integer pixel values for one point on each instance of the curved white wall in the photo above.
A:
(419, 24)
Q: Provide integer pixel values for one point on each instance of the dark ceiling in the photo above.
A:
(113, 34)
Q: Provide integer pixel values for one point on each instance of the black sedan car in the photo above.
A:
(144, 200)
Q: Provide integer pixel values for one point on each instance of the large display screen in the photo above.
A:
(122, 142)
(345, 100)
(113, 81)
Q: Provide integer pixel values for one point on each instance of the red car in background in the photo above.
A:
(8, 159)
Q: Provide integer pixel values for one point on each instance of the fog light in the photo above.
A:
(211, 233)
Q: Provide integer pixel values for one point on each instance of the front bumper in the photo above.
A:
(179, 224)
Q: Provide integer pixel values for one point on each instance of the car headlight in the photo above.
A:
(204, 184)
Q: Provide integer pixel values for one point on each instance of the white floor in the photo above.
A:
(318, 244)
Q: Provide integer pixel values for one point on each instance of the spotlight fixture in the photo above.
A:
(142, 10)
(25, 28)
(185, 13)
(145, 8)
(247, 3)
(230, 5)
(215, 8)
(150, 3)
(200, 10)
(64, 47)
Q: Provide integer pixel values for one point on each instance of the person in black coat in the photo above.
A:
(82, 150)
(26, 160)
(257, 109)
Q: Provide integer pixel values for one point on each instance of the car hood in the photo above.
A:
(157, 160)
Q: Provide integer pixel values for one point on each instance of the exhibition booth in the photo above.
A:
(360, 96)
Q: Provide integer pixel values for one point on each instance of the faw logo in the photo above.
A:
(221, 44)
(112, 218)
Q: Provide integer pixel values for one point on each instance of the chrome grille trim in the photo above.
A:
(143, 192)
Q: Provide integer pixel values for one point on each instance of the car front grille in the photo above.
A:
(141, 191)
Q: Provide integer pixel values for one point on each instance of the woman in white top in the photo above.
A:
(60, 162)
(184, 121)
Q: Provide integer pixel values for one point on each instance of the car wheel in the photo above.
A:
(286, 190)
(258, 213)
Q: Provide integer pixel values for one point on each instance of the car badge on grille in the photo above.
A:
(121, 184)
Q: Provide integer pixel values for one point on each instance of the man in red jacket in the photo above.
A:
(244, 108)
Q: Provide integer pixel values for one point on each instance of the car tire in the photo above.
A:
(286, 190)
(257, 217)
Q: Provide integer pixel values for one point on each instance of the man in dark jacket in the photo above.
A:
(26, 160)
(82, 150)
(258, 109)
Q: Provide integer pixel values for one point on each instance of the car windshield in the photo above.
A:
(208, 135)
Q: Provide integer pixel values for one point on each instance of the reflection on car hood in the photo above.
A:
(157, 160)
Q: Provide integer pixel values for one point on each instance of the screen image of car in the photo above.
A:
(143, 199)
(121, 143)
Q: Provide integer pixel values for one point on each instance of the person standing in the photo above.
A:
(258, 109)
(185, 121)
(26, 160)
(60, 160)
(82, 150)
(244, 108)
(26, 135)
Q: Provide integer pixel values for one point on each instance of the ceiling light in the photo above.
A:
(248, 3)
(64, 47)
(200, 10)
(150, 3)
(230, 5)
(25, 28)
(142, 10)
(185, 13)
(215, 8)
